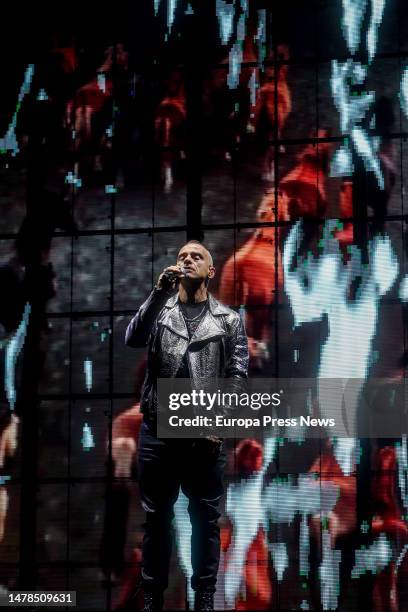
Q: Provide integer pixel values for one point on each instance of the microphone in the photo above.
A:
(173, 277)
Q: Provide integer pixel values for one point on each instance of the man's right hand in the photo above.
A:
(169, 279)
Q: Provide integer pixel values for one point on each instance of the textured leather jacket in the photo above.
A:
(217, 349)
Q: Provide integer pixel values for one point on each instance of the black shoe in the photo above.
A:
(204, 600)
(153, 601)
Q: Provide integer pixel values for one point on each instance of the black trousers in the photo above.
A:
(197, 466)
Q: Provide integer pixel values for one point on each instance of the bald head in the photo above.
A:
(196, 259)
(197, 242)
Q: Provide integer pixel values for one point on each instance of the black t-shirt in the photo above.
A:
(193, 315)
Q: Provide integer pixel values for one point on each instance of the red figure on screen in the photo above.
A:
(169, 127)
(272, 108)
(305, 185)
(249, 278)
(387, 519)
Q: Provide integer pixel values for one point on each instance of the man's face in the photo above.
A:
(196, 262)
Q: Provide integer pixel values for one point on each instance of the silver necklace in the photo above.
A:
(197, 316)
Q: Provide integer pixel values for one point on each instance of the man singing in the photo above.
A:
(189, 335)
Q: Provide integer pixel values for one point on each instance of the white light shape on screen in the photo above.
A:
(241, 29)
(171, 12)
(72, 179)
(304, 546)
(9, 141)
(329, 573)
(403, 96)
(253, 86)
(402, 456)
(353, 14)
(345, 450)
(235, 61)
(352, 22)
(110, 189)
(87, 439)
(225, 14)
(245, 509)
(183, 531)
(352, 109)
(342, 162)
(237, 50)
(261, 36)
(13, 349)
(280, 558)
(101, 81)
(367, 147)
(373, 558)
(42, 95)
(352, 324)
(88, 373)
(26, 85)
(283, 501)
(401, 557)
(377, 11)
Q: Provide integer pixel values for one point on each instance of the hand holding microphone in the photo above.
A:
(170, 278)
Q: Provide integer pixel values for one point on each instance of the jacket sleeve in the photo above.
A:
(142, 324)
(237, 363)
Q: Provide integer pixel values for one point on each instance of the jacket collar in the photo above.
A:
(215, 306)
(209, 326)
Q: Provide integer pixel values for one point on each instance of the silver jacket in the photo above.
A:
(217, 349)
